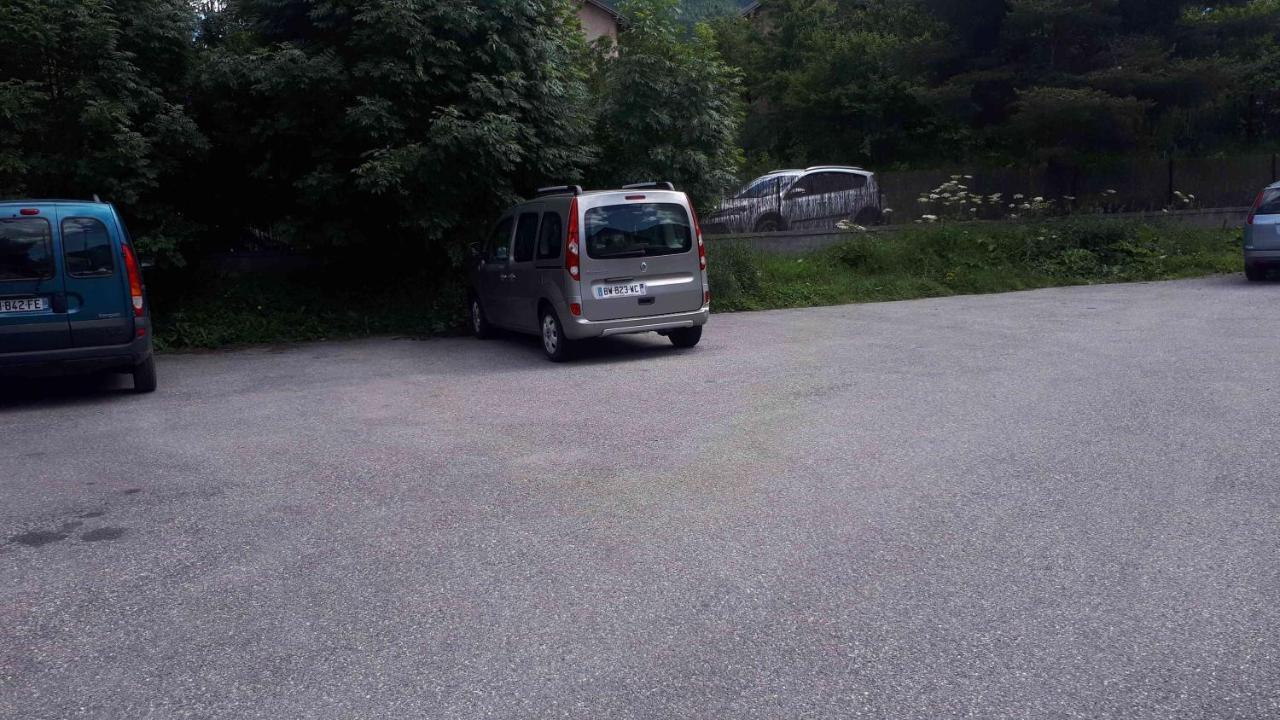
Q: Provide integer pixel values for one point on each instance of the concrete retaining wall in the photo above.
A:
(802, 241)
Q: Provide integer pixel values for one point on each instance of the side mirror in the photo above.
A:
(796, 192)
(146, 263)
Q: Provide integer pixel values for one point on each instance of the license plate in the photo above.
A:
(624, 290)
(8, 305)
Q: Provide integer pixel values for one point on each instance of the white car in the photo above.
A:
(818, 197)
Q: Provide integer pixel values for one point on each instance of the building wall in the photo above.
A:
(597, 22)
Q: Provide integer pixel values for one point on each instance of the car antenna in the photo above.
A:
(96, 198)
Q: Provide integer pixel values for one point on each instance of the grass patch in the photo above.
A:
(258, 309)
(197, 309)
(935, 261)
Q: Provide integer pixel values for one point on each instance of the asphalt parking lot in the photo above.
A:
(1053, 504)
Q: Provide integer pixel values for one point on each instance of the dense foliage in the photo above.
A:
(404, 124)
(921, 82)
(91, 102)
(388, 122)
(400, 125)
(670, 106)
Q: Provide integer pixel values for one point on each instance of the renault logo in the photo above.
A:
(644, 267)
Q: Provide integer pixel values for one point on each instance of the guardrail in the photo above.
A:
(801, 241)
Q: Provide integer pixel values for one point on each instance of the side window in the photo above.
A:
(827, 183)
(551, 236)
(498, 248)
(844, 182)
(526, 233)
(815, 184)
(87, 247)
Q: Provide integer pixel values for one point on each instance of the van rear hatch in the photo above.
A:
(640, 257)
(1263, 230)
(31, 318)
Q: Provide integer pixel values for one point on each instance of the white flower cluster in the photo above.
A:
(954, 199)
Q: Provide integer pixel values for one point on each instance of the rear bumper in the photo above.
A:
(1262, 258)
(579, 328)
(81, 359)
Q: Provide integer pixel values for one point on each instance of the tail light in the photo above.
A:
(572, 258)
(702, 248)
(135, 279)
(702, 256)
(1257, 202)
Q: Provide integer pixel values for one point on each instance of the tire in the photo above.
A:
(868, 216)
(1254, 273)
(480, 326)
(686, 337)
(144, 376)
(554, 343)
(769, 223)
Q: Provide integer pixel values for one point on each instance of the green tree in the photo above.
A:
(391, 122)
(840, 82)
(91, 103)
(671, 106)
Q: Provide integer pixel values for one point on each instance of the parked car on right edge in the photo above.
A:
(818, 197)
(1262, 234)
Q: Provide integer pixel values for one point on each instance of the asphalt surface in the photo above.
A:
(1052, 504)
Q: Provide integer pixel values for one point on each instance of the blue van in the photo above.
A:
(71, 292)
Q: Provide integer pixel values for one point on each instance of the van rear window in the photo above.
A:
(637, 230)
(1270, 204)
(25, 252)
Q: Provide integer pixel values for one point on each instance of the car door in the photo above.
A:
(493, 271)
(98, 307)
(520, 287)
(33, 313)
(802, 204)
(829, 198)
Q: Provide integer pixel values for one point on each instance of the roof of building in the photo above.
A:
(605, 6)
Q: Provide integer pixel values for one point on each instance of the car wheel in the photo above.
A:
(868, 216)
(144, 376)
(685, 337)
(557, 347)
(479, 323)
(1254, 273)
(769, 224)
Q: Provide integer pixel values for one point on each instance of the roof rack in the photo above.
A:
(559, 190)
(832, 167)
(651, 185)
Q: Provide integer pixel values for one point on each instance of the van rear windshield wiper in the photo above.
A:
(623, 254)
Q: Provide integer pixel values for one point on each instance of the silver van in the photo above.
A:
(572, 264)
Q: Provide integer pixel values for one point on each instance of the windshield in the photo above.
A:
(637, 230)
